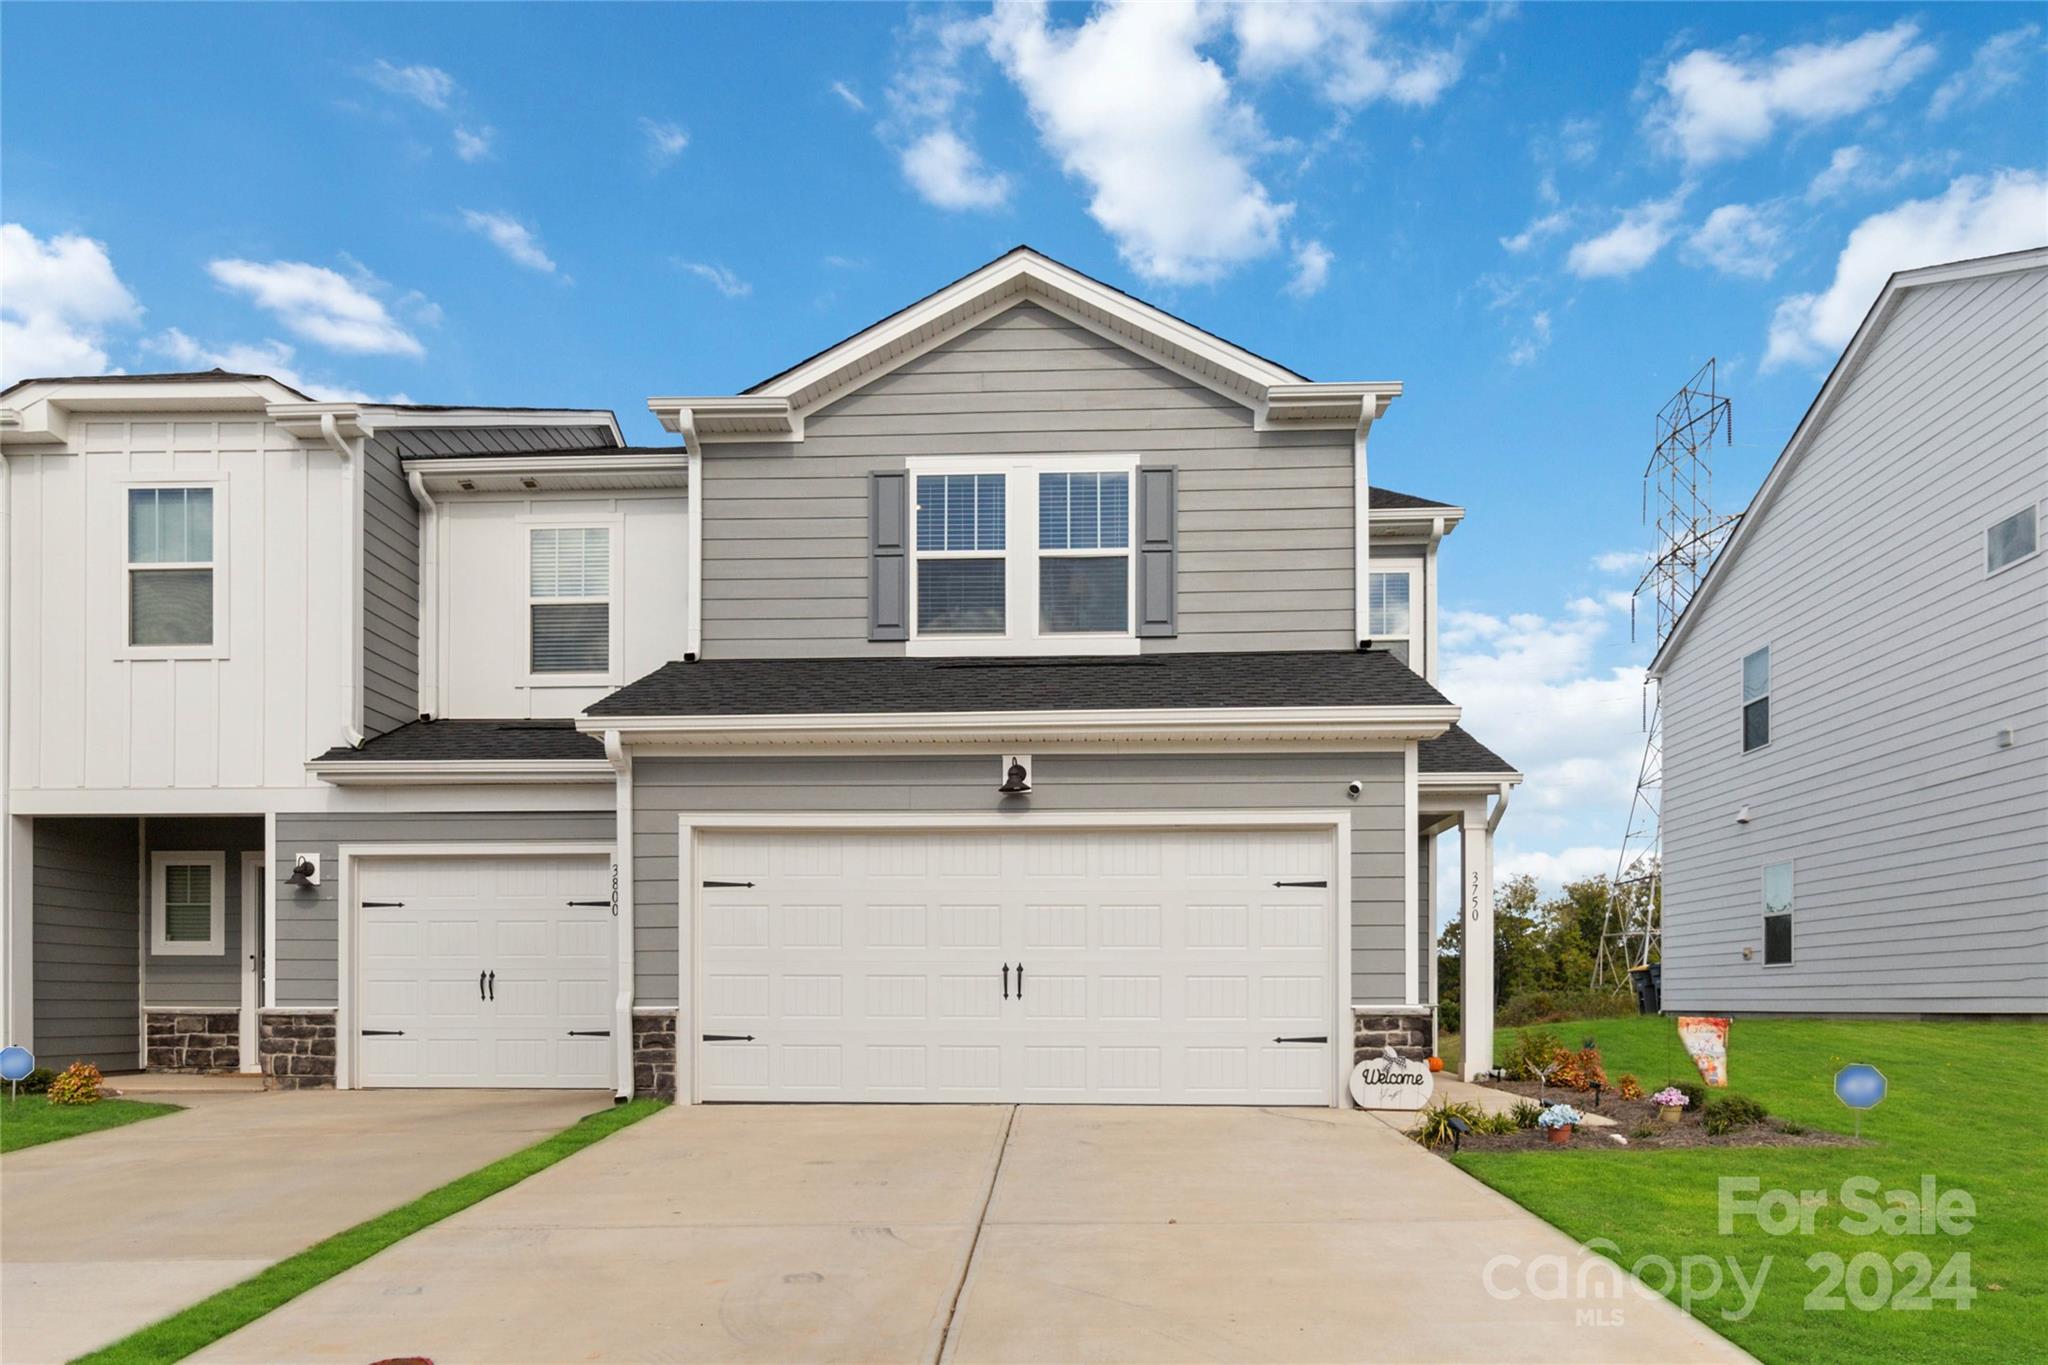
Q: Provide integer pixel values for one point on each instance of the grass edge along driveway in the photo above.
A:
(1967, 1107)
(238, 1305)
(31, 1120)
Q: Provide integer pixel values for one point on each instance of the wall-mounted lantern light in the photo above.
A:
(1016, 775)
(305, 870)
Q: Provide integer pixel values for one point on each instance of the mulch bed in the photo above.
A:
(1637, 1121)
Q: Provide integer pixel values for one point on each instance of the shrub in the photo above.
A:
(1792, 1129)
(1498, 1125)
(1630, 1087)
(37, 1082)
(80, 1084)
(1436, 1130)
(1580, 1070)
(1525, 1113)
(1550, 1007)
(1726, 1113)
(1532, 1050)
(1695, 1093)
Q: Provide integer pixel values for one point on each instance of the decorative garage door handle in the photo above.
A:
(1006, 981)
(1020, 981)
(494, 985)
(1318, 1038)
(728, 1037)
(728, 883)
(589, 902)
(480, 986)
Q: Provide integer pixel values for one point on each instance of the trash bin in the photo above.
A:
(1649, 987)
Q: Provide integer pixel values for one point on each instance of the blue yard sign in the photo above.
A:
(15, 1064)
(1860, 1087)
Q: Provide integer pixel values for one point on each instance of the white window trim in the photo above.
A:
(614, 526)
(218, 647)
(1764, 913)
(1743, 703)
(1020, 557)
(1407, 569)
(2026, 558)
(216, 942)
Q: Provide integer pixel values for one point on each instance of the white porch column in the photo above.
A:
(1476, 999)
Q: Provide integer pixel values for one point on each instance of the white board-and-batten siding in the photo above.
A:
(87, 714)
(1265, 535)
(1919, 845)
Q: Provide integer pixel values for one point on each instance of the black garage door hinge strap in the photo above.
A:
(590, 1033)
(728, 883)
(383, 905)
(603, 903)
(1318, 1038)
(1301, 883)
(383, 1032)
(728, 1037)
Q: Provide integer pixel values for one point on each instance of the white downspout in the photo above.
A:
(693, 591)
(1361, 536)
(1500, 808)
(430, 594)
(10, 938)
(1436, 534)
(622, 905)
(352, 559)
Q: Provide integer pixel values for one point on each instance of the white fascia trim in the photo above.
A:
(597, 462)
(1486, 783)
(737, 417)
(429, 773)
(1304, 406)
(1238, 723)
(1417, 521)
(1831, 391)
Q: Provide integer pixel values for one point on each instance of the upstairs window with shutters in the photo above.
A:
(569, 604)
(1084, 553)
(188, 904)
(961, 538)
(171, 586)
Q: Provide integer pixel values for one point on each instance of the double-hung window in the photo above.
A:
(170, 567)
(1778, 915)
(569, 599)
(188, 904)
(1756, 699)
(1084, 553)
(962, 534)
(1390, 612)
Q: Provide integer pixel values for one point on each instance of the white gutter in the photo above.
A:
(352, 542)
(429, 772)
(622, 905)
(430, 594)
(1500, 808)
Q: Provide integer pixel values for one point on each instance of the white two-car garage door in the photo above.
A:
(485, 971)
(1127, 966)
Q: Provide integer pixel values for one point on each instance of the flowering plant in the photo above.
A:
(1560, 1116)
(79, 1083)
(1670, 1097)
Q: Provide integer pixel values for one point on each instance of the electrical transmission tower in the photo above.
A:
(1678, 496)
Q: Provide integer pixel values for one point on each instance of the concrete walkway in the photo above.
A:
(971, 1234)
(107, 1232)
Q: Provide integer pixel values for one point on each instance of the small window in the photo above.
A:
(960, 542)
(1084, 564)
(170, 567)
(188, 906)
(1756, 700)
(1389, 613)
(570, 570)
(1778, 915)
(2009, 541)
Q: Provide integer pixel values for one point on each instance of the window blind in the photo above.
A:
(572, 637)
(188, 903)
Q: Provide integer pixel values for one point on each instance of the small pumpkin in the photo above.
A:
(1436, 1064)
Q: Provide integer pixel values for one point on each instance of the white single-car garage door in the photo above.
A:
(485, 971)
(1126, 966)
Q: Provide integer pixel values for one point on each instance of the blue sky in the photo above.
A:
(1542, 219)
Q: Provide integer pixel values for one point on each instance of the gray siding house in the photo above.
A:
(1856, 700)
(1026, 698)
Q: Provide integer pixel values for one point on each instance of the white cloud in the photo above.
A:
(1531, 343)
(1976, 216)
(665, 141)
(950, 174)
(718, 277)
(429, 85)
(318, 304)
(1738, 239)
(851, 96)
(1131, 107)
(1546, 226)
(1578, 140)
(57, 300)
(1717, 104)
(474, 144)
(1629, 245)
(1622, 561)
(1846, 169)
(1997, 65)
(274, 358)
(1553, 868)
(1312, 262)
(512, 237)
(1346, 50)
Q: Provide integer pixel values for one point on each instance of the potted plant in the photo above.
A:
(1558, 1121)
(1670, 1102)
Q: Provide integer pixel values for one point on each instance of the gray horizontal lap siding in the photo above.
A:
(1920, 848)
(211, 981)
(1264, 518)
(391, 592)
(84, 886)
(664, 789)
(308, 929)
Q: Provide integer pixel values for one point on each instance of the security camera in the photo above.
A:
(1355, 789)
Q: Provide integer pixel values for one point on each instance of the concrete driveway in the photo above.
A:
(110, 1231)
(917, 1233)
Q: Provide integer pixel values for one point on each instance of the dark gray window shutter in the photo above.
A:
(1158, 550)
(889, 556)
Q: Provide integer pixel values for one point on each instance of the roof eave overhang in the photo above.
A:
(303, 420)
(38, 415)
(503, 473)
(1161, 725)
(1418, 521)
(1486, 781)
(451, 772)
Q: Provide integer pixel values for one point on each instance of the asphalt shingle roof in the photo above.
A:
(472, 741)
(1387, 500)
(1454, 751)
(780, 687)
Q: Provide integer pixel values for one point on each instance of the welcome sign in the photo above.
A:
(1377, 1083)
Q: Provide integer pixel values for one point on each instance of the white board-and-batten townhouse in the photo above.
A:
(1026, 698)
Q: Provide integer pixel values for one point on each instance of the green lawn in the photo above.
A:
(1967, 1105)
(31, 1120)
(211, 1319)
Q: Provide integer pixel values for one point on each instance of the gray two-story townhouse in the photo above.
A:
(1027, 698)
(1856, 700)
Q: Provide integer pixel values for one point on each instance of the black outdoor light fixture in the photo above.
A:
(1016, 775)
(1458, 1130)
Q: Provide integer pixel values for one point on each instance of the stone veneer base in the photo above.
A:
(1406, 1031)
(654, 1055)
(297, 1048)
(194, 1040)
